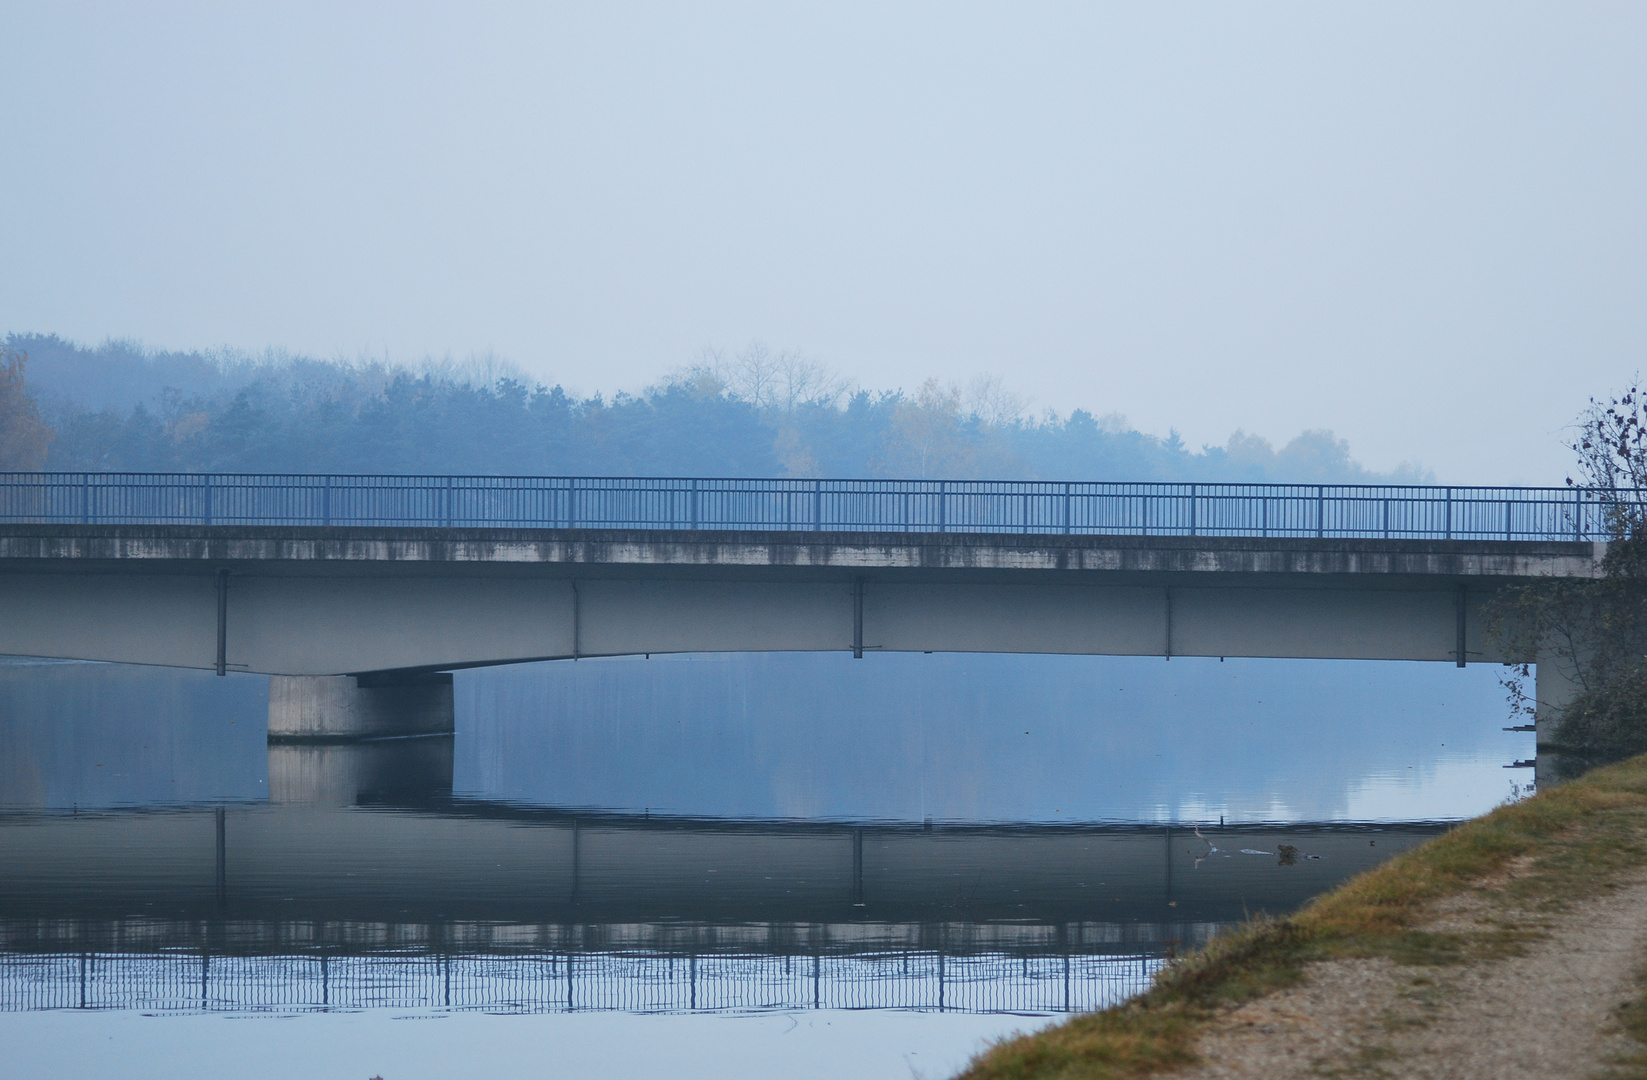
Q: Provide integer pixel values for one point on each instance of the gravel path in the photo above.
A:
(1545, 1014)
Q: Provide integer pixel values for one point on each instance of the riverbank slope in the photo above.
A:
(1512, 946)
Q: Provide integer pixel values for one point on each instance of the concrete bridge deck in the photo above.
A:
(339, 600)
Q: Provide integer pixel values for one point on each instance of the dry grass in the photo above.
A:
(1538, 854)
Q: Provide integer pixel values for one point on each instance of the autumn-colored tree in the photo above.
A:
(23, 435)
(926, 440)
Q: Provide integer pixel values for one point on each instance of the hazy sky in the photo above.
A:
(1422, 225)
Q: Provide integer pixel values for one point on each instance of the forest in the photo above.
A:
(757, 412)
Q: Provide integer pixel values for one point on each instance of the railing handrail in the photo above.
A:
(435, 500)
(7, 477)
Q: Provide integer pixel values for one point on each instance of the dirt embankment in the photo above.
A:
(1549, 1012)
(1514, 946)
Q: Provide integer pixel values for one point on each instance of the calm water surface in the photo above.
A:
(784, 865)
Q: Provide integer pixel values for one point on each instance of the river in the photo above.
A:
(730, 866)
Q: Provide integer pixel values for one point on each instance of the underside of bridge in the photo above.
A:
(357, 623)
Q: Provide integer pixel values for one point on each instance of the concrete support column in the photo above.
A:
(349, 708)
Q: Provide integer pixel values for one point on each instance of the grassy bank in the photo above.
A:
(1534, 856)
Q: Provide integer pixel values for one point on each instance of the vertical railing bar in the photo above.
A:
(1449, 513)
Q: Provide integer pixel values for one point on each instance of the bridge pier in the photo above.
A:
(355, 708)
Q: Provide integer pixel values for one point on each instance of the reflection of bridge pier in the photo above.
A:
(404, 770)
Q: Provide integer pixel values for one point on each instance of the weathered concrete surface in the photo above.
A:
(582, 549)
(335, 601)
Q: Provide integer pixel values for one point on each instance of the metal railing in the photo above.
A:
(621, 982)
(991, 506)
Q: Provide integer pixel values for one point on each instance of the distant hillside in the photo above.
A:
(120, 406)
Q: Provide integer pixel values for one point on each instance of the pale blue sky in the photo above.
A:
(1421, 225)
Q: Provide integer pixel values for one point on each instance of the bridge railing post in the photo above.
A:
(1192, 523)
(1320, 511)
(206, 483)
(1449, 513)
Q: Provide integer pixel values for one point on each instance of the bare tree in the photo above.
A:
(1611, 445)
(1595, 631)
(988, 399)
(778, 381)
(479, 371)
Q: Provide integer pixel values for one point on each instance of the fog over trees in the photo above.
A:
(757, 412)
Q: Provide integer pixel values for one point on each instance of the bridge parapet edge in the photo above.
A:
(39, 545)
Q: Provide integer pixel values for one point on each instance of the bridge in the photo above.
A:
(360, 593)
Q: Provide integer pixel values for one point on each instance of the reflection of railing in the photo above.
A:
(623, 982)
(1298, 510)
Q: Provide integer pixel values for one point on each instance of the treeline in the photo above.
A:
(754, 413)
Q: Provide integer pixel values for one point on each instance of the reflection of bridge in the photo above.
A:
(388, 579)
(570, 982)
(467, 905)
(485, 878)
